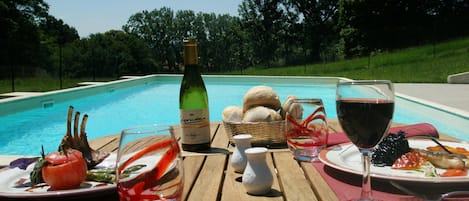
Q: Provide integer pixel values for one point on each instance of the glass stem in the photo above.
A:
(366, 180)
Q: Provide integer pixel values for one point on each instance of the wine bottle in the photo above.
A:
(193, 103)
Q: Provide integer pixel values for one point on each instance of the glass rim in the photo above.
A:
(145, 128)
(306, 100)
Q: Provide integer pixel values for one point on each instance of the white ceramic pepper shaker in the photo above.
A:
(238, 158)
(257, 178)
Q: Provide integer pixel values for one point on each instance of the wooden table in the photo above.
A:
(209, 176)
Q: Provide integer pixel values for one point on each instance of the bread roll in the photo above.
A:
(261, 96)
(261, 114)
(232, 113)
(294, 109)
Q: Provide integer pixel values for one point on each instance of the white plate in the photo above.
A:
(346, 157)
(10, 177)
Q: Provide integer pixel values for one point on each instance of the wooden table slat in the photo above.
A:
(208, 182)
(108, 143)
(319, 185)
(276, 191)
(295, 186)
(220, 139)
(218, 145)
(192, 166)
(233, 189)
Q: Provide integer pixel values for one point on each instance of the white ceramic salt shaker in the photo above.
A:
(257, 178)
(238, 158)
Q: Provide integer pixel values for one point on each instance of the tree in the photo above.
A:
(218, 37)
(290, 34)
(111, 54)
(19, 38)
(156, 29)
(54, 35)
(367, 25)
(261, 19)
(319, 26)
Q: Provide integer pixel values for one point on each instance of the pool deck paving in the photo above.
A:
(451, 97)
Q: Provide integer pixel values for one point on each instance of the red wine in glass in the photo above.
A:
(365, 121)
(365, 109)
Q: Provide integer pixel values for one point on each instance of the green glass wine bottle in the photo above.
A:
(193, 103)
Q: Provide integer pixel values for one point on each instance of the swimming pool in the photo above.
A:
(154, 99)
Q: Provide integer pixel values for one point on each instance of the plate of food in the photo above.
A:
(414, 160)
(76, 169)
(17, 182)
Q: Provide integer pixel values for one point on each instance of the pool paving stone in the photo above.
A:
(455, 96)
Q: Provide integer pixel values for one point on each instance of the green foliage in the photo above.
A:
(111, 54)
(319, 30)
(43, 84)
(426, 64)
(163, 32)
(369, 25)
(262, 21)
(19, 39)
(158, 29)
(267, 34)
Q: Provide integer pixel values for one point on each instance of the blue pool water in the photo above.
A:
(23, 133)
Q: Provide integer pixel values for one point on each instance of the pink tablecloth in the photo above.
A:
(348, 186)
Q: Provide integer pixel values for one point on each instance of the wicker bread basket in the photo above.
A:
(268, 134)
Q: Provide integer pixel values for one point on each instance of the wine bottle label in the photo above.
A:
(195, 126)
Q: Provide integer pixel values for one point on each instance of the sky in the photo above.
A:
(98, 16)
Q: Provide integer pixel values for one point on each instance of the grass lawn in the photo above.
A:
(426, 64)
(42, 84)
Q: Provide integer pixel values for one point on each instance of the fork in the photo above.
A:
(433, 197)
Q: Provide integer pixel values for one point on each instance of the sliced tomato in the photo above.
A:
(64, 170)
(454, 172)
(410, 161)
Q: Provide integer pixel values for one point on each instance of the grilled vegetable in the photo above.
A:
(108, 175)
(445, 160)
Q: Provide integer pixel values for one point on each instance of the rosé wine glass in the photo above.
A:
(149, 164)
(306, 128)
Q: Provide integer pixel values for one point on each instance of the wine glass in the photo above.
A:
(149, 164)
(365, 109)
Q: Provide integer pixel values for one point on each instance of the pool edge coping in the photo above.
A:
(437, 106)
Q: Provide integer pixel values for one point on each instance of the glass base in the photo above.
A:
(306, 158)
(308, 155)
